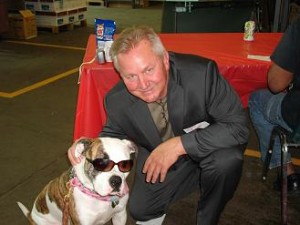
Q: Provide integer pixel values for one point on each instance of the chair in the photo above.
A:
(288, 141)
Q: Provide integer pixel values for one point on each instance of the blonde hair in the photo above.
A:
(129, 38)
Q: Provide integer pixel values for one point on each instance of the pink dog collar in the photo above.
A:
(75, 182)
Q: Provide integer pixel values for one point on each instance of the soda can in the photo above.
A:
(101, 56)
(249, 31)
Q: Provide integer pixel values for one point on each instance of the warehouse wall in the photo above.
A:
(221, 17)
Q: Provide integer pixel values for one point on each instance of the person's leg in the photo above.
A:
(265, 113)
(220, 175)
(148, 203)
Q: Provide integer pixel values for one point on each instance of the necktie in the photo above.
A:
(159, 112)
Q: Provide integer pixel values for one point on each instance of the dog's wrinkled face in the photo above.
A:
(104, 160)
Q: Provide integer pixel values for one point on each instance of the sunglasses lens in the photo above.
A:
(103, 165)
(125, 166)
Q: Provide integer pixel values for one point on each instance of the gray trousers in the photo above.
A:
(216, 176)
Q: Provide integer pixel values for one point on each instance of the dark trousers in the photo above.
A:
(216, 176)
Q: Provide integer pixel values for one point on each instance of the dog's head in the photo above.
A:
(105, 164)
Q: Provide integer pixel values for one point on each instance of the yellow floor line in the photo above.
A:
(255, 153)
(39, 84)
(252, 153)
(46, 45)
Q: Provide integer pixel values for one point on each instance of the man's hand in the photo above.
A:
(162, 158)
(71, 153)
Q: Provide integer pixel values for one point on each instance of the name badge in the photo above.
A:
(200, 125)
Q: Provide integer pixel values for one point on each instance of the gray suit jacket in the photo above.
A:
(196, 93)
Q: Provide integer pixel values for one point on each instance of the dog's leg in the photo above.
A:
(120, 218)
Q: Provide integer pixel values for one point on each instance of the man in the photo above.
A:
(279, 105)
(161, 102)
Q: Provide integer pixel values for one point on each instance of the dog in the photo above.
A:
(92, 192)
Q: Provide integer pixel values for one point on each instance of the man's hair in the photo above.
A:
(130, 37)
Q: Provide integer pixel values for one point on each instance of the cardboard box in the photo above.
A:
(22, 25)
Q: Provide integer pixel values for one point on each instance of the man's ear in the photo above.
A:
(166, 60)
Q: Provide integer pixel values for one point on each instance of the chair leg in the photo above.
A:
(267, 163)
(284, 153)
(268, 156)
(283, 136)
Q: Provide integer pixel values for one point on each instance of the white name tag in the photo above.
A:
(200, 125)
(259, 57)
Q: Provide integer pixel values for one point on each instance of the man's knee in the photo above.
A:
(137, 212)
(229, 166)
(223, 169)
(140, 210)
(255, 99)
(229, 163)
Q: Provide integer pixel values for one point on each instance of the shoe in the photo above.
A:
(293, 184)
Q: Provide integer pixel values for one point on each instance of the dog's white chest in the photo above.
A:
(93, 211)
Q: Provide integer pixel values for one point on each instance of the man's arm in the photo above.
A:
(285, 59)
(278, 78)
(229, 126)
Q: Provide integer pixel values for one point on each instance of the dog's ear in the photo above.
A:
(81, 146)
(131, 146)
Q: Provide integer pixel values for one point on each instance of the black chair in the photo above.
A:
(288, 141)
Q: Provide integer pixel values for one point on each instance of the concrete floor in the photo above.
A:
(38, 94)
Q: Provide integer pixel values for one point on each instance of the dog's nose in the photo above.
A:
(115, 182)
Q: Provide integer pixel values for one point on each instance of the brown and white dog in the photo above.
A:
(90, 193)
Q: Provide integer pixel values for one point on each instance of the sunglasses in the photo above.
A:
(105, 165)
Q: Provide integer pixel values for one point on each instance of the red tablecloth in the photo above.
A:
(229, 50)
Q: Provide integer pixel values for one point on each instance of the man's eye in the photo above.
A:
(130, 77)
(149, 71)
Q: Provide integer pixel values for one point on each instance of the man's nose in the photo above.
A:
(143, 82)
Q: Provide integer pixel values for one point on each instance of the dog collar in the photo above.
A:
(75, 182)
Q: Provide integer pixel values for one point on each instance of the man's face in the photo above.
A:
(144, 73)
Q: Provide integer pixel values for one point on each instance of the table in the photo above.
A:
(229, 50)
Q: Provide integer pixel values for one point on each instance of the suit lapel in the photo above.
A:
(142, 117)
(176, 106)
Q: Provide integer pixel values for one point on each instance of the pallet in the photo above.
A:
(63, 20)
(101, 3)
(64, 27)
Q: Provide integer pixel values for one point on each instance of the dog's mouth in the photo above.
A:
(116, 193)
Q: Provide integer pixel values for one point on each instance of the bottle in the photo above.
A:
(249, 30)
